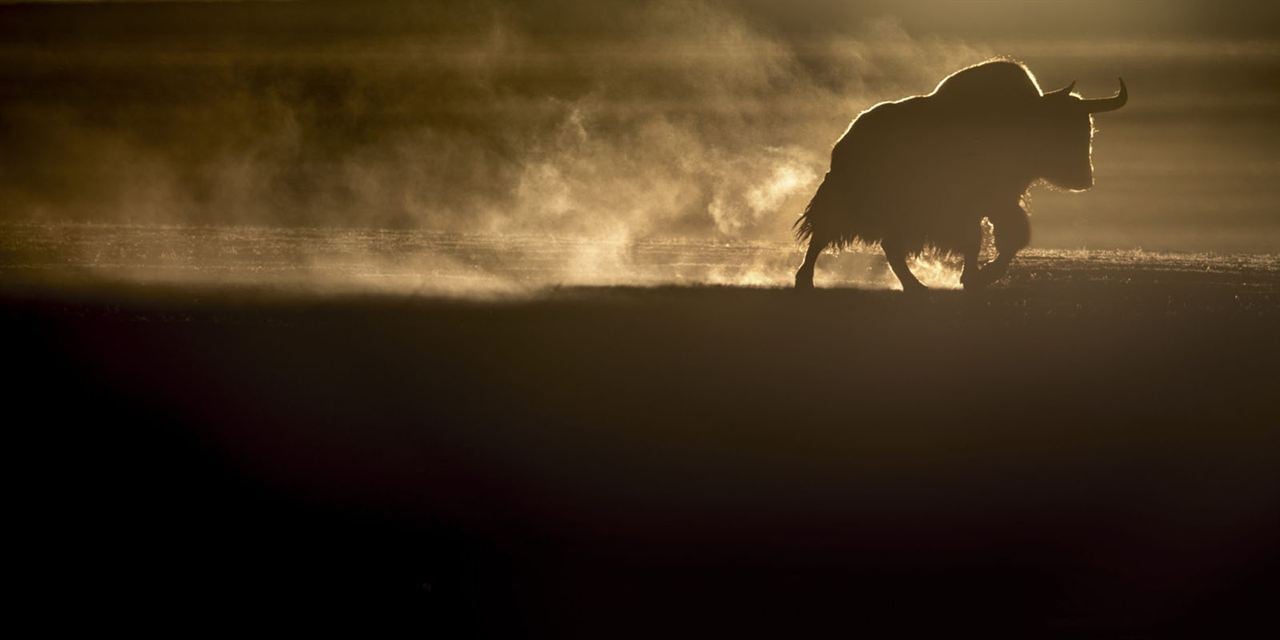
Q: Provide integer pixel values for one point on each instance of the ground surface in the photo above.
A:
(1090, 449)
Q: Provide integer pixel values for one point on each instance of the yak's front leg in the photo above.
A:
(897, 257)
(1012, 231)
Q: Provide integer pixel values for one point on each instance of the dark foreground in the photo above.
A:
(1066, 456)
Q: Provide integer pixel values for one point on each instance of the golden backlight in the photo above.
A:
(662, 121)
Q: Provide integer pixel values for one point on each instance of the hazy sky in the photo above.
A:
(627, 119)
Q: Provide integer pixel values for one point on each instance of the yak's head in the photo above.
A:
(1063, 135)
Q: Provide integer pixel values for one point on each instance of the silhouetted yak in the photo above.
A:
(926, 170)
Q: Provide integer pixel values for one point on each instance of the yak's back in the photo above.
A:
(992, 85)
(966, 115)
(881, 134)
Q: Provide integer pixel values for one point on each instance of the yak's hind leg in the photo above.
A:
(804, 276)
(898, 262)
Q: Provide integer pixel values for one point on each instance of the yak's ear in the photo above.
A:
(1063, 92)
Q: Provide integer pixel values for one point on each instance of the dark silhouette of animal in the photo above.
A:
(926, 170)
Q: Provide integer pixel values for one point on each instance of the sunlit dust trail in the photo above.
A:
(425, 263)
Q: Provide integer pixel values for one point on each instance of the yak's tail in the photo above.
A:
(816, 209)
(833, 215)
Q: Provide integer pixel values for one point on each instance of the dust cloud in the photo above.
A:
(689, 124)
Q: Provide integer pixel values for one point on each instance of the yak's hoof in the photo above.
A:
(986, 276)
(914, 288)
(803, 283)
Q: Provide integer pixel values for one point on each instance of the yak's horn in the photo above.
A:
(1099, 105)
(1065, 91)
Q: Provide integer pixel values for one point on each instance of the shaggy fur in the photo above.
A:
(926, 170)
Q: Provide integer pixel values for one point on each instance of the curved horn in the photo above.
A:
(1065, 91)
(1099, 105)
